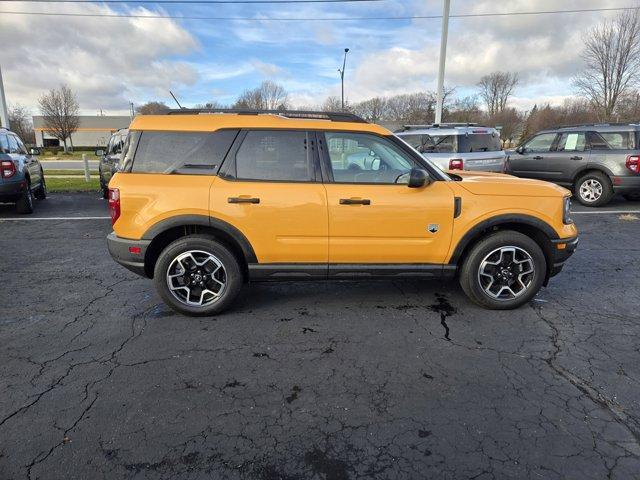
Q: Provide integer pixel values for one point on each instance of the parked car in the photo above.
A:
(594, 160)
(21, 175)
(110, 158)
(203, 203)
(457, 146)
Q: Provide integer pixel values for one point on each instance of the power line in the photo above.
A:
(186, 2)
(320, 19)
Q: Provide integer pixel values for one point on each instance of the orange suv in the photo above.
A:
(208, 200)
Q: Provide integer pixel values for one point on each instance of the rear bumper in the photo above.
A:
(10, 191)
(626, 184)
(563, 249)
(119, 248)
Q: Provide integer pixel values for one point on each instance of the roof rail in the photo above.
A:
(601, 124)
(442, 125)
(309, 114)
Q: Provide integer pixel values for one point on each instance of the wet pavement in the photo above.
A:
(402, 379)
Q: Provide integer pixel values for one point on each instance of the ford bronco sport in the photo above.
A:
(206, 200)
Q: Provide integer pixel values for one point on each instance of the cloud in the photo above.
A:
(107, 62)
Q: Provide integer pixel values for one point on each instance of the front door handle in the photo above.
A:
(355, 201)
(243, 200)
(538, 157)
(576, 158)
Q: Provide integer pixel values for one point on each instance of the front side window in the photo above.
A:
(571, 142)
(365, 158)
(166, 152)
(540, 143)
(272, 155)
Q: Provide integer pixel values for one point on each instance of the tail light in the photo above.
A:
(456, 164)
(7, 169)
(633, 163)
(114, 204)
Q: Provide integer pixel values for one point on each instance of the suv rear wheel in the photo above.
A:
(503, 271)
(196, 275)
(25, 202)
(593, 189)
(41, 191)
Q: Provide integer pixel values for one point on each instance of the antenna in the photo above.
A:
(174, 97)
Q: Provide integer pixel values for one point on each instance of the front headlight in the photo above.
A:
(566, 211)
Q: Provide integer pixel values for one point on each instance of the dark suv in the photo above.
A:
(21, 176)
(595, 160)
(110, 158)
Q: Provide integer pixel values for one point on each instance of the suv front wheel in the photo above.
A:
(593, 189)
(198, 276)
(503, 271)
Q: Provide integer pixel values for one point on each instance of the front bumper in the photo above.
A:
(626, 184)
(121, 251)
(563, 248)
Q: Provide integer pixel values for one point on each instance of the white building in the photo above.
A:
(93, 131)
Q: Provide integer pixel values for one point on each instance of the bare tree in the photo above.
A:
(333, 104)
(496, 88)
(510, 122)
(152, 108)
(268, 96)
(60, 111)
(612, 62)
(213, 105)
(20, 121)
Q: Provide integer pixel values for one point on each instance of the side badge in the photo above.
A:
(433, 227)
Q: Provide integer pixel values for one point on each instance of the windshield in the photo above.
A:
(479, 142)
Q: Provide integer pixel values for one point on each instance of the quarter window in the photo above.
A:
(364, 158)
(166, 152)
(540, 143)
(571, 142)
(275, 156)
(612, 140)
(4, 144)
(13, 144)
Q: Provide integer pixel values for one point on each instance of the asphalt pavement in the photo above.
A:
(389, 379)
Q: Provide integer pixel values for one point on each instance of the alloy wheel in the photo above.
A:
(591, 190)
(196, 278)
(506, 273)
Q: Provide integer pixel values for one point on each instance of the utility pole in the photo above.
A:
(344, 64)
(443, 57)
(4, 115)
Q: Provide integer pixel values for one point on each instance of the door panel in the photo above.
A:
(569, 154)
(284, 222)
(392, 227)
(531, 159)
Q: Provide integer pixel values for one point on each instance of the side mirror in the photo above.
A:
(34, 151)
(99, 152)
(520, 150)
(418, 178)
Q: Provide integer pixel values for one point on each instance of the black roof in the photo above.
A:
(310, 114)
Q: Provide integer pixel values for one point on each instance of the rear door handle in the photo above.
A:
(538, 157)
(576, 158)
(243, 200)
(355, 201)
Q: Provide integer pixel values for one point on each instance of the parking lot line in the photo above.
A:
(30, 219)
(604, 212)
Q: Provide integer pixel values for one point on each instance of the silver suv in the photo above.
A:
(457, 146)
(595, 160)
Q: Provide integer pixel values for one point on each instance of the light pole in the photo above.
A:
(4, 117)
(344, 64)
(443, 57)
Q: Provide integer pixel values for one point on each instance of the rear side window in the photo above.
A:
(4, 144)
(612, 140)
(571, 142)
(189, 152)
(271, 155)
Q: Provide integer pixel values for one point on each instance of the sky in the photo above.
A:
(110, 62)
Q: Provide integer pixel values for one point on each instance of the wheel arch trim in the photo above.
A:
(204, 221)
(505, 219)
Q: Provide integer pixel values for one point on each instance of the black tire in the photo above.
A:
(474, 284)
(598, 180)
(632, 197)
(25, 202)
(41, 192)
(231, 271)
